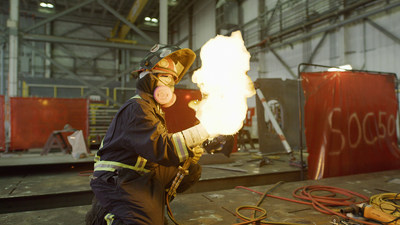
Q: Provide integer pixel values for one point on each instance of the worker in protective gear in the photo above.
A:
(138, 159)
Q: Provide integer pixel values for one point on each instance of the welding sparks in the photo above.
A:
(224, 84)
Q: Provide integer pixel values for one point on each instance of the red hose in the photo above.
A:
(85, 173)
(321, 203)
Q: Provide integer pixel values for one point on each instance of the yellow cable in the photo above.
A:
(259, 218)
(256, 208)
(387, 203)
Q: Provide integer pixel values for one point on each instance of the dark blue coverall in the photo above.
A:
(137, 161)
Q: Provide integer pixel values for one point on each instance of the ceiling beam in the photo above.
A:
(123, 19)
(80, 41)
(287, 67)
(71, 74)
(73, 19)
(133, 14)
(75, 7)
(384, 31)
(104, 83)
(324, 29)
(176, 16)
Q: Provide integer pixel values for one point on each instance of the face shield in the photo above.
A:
(182, 60)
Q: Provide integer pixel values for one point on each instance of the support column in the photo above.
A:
(47, 72)
(163, 22)
(12, 24)
(262, 68)
(190, 27)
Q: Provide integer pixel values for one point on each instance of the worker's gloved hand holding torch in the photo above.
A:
(194, 138)
(195, 135)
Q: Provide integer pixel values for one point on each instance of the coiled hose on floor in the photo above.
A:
(307, 195)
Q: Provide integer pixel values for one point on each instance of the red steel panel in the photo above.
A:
(350, 123)
(34, 119)
(179, 116)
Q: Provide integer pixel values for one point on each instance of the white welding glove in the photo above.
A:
(195, 135)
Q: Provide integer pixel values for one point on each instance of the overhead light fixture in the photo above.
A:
(151, 21)
(46, 5)
(341, 68)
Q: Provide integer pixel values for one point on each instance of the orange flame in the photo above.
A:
(224, 84)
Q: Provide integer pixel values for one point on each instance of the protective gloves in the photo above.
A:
(195, 135)
(197, 153)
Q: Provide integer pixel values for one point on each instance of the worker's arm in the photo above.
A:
(148, 136)
(195, 135)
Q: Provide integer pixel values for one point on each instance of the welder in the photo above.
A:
(138, 159)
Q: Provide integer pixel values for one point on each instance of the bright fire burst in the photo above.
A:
(224, 84)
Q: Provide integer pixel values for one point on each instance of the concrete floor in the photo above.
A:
(218, 207)
(54, 189)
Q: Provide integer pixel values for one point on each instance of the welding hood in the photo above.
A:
(183, 58)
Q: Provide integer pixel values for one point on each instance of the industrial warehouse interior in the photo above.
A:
(290, 107)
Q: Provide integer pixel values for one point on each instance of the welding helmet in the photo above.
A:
(168, 59)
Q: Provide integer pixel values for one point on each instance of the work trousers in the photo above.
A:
(139, 198)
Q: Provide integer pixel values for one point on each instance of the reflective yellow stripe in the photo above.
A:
(112, 166)
(136, 96)
(105, 169)
(109, 218)
(180, 146)
(101, 144)
(96, 158)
